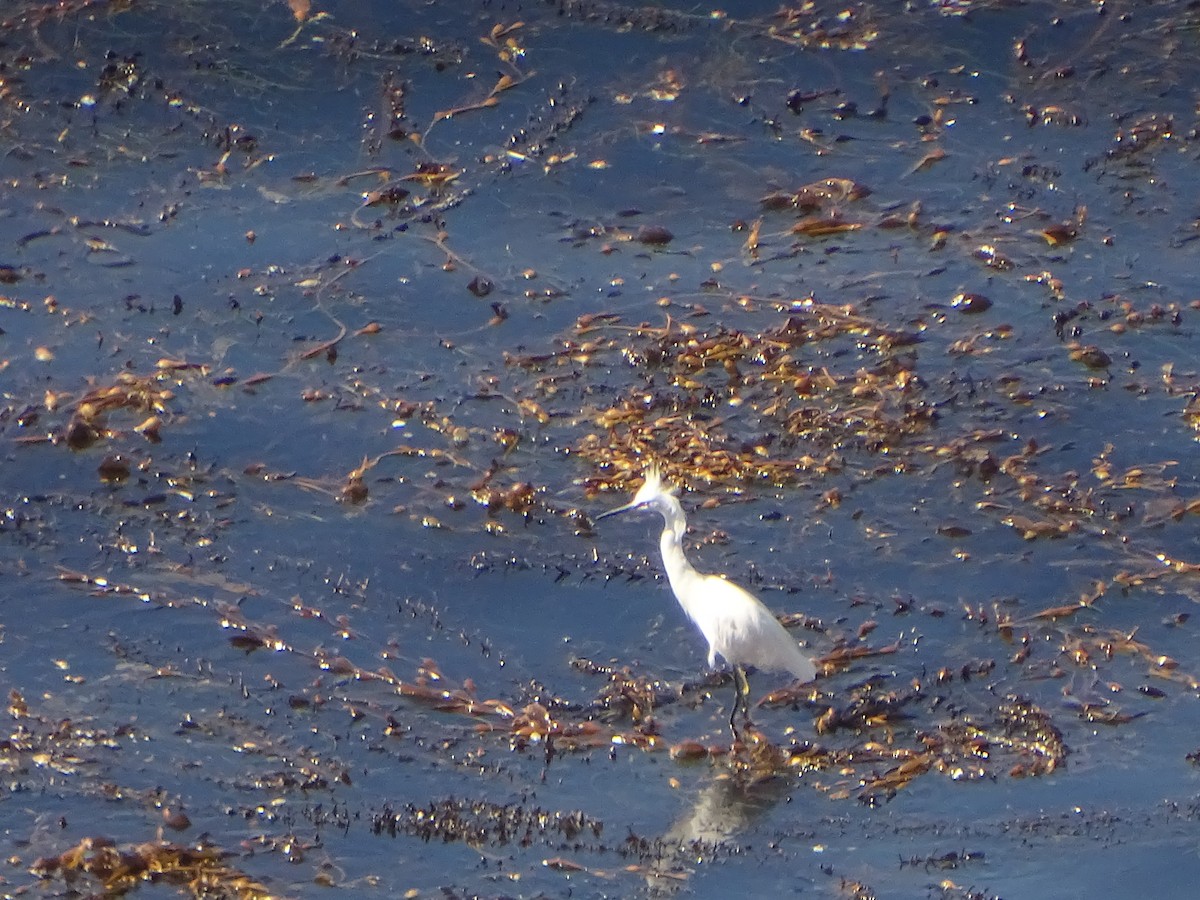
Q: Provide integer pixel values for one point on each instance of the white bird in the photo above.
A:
(735, 623)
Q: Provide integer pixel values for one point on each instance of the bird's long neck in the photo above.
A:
(671, 543)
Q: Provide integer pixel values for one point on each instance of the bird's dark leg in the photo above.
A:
(741, 686)
(737, 691)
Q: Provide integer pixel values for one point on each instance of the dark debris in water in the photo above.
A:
(481, 824)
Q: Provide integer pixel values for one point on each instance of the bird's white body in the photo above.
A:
(737, 626)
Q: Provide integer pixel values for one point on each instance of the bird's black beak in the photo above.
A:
(620, 509)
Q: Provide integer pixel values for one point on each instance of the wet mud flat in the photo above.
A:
(327, 330)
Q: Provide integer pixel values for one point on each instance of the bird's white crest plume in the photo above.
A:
(735, 623)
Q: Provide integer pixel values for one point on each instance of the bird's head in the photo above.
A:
(651, 495)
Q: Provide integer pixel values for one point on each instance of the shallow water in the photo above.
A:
(311, 390)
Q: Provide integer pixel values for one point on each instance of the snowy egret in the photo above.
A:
(735, 623)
